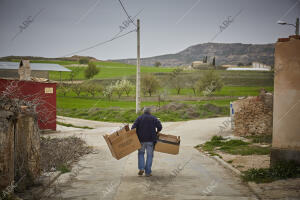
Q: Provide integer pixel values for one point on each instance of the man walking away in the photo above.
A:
(147, 126)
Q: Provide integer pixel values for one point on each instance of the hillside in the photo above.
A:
(225, 54)
(75, 58)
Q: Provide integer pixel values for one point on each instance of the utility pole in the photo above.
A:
(297, 26)
(138, 70)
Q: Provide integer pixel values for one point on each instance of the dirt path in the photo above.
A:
(189, 175)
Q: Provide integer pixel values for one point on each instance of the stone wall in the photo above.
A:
(254, 115)
(19, 144)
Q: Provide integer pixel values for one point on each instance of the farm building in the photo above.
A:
(19, 83)
(38, 70)
(246, 69)
(261, 66)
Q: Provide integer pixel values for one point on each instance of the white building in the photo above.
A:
(261, 66)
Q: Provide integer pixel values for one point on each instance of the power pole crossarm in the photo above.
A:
(138, 69)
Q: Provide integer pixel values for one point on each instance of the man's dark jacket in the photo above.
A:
(146, 126)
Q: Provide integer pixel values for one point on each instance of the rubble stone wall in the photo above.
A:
(254, 115)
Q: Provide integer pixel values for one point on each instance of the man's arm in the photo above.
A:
(158, 125)
(136, 123)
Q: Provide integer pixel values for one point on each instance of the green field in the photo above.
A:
(228, 91)
(89, 102)
(236, 84)
(109, 70)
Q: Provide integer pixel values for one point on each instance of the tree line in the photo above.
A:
(204, 83)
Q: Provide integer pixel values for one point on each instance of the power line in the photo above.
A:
(113, 38)
(133, 19)
(100, 43)
(126, 13)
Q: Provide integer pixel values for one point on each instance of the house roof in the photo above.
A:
(35, 66)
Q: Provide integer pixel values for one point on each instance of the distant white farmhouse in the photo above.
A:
(261, 66)
(246, 69)
(256, 66)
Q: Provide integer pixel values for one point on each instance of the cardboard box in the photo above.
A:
(167, 144)
(123, 142)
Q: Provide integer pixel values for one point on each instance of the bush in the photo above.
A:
(83, 61)
(91, 71)
(157, 64)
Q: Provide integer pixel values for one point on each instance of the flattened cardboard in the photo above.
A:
(123, 142)
(167, 144)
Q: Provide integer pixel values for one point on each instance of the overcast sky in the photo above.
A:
(56, 28)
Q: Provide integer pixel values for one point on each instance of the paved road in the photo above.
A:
(189, 175)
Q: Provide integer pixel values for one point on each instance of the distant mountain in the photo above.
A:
(73, 58)
(226, 54)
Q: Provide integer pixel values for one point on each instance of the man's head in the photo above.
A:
(147, 110)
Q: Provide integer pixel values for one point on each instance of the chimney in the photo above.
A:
(24, 70)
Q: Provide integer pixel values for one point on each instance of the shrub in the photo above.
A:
(83, 61)
(157, 64)
(91, 71)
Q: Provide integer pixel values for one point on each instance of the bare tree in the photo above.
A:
(150, 84)
(64, 88)
(77, 88)
(176, 80)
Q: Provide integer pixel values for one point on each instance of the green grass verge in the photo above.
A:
(235, 147)
(281, 170)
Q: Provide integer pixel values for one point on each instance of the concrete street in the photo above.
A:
(189, 175)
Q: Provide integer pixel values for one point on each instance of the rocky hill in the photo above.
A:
(225, 54)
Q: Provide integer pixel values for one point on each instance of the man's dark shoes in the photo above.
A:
(148, 175)
(141, 172)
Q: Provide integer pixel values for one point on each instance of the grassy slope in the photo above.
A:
(229, 91)
(87, 102)
(110, 70)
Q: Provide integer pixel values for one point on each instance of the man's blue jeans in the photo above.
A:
(146, 146)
